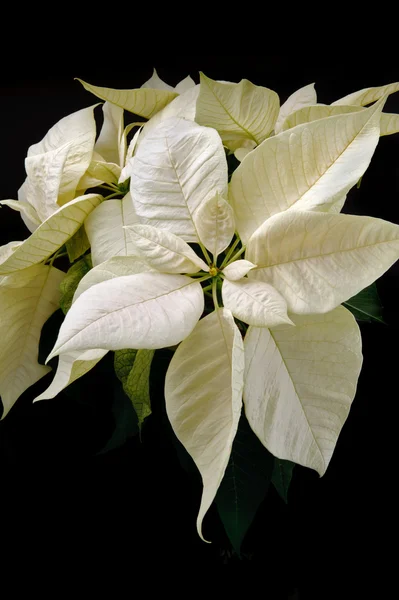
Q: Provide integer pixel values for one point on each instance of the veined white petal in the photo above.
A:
(203, 389)
(237, 269)
(176, 168)
(27, 299)
(237, 110)
(307, 165)
(300, 382)
(118, 266)
(255, 302)
(305, 96)
(215, 224)
(55, 165)
(368, 95)
(148, 310)
(144, 102)
(71, 366)
(318, 260)
(156, 83)
(105, 230)
(51, 234)
(109, 140)
(165, 251)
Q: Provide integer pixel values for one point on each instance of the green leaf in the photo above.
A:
(244, 485)
(123, 363)
(71, 282)
(366, 305)
(126, 425)
(133, 367)
(77, 245)
(282, 475)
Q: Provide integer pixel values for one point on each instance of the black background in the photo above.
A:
(135, 507)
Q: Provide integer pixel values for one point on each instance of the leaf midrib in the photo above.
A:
(249, 134)
(299, 399)
(305, 258)
(127, 306)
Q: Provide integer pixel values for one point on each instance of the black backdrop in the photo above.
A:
(135, 506)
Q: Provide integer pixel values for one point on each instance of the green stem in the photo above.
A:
(58, 254)
(229, 253)
(238, 254)
(205, 253)
(205, 278)
(214, 294)
(113, 195)
(107, 186)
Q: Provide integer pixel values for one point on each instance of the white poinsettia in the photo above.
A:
(296, 261)
(184, 258)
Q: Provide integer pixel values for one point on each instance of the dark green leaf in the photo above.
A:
(77, 245)
(123, 363)
(132, 368)
(126, 424)
(282, 475)
(71, 281)
(366, 305)
(245, 483)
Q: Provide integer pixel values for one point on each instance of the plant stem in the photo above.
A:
(238, 254)
(205, 278)
(205, 253)
(229, 253)
(108, 186)
(113, 195)
(214, 294)
(57, 254)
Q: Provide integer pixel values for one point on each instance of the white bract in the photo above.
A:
(54, 167)
(246, 277)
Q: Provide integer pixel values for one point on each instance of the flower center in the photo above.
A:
(213, 271)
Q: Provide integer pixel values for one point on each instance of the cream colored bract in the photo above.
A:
(246, 277)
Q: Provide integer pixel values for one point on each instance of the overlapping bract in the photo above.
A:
(294, 260)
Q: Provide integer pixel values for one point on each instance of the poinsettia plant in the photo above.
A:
(211, 226)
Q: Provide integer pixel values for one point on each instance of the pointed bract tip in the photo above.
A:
(50, 356)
